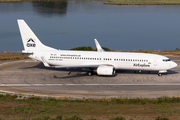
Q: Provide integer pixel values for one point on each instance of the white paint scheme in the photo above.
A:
(100, 60)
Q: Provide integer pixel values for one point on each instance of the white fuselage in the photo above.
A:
(119, 60)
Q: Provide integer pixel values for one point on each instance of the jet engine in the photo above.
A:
(106, 70)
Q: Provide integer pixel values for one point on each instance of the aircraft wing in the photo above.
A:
(77, 66)
(72, 66)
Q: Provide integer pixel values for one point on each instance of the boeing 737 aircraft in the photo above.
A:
(105, 63)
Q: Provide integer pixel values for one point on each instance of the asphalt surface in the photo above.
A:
(32, 78)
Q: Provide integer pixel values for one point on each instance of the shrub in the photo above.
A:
(118, 118)
(161, 118)
(73, 118)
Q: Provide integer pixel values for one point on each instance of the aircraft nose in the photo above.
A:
(173, 64)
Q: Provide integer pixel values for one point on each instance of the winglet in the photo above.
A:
(98, 46)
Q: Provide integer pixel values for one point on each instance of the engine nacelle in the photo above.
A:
(106, 70)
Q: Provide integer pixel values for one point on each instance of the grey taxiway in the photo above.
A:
(32, 78)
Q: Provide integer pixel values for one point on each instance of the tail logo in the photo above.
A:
(31, 42)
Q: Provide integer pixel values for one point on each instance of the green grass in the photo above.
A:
(14, 107)
(143, 2)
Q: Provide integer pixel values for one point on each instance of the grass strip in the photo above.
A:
(11, 56)
(23, 107)
(143, 2)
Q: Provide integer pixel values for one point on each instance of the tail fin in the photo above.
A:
(30, 40)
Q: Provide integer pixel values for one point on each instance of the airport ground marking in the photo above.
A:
(43, 95)
(9, 68)
(16, 86)
(26, 85)
(10, 63)
(64, 97)
(46, 95)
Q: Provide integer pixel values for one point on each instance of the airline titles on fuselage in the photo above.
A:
(73, 55)
(140, 65)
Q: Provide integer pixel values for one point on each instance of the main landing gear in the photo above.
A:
(159, 74)
(162, 71)
(90, 73)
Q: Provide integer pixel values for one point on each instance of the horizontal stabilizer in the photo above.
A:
(27, 52)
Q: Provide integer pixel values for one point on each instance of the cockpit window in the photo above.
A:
(166, 60)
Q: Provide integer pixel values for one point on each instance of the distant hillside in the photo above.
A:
(143, 2)
(88, 48)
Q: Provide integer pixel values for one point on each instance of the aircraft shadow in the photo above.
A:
(71, 76)
(144, 72)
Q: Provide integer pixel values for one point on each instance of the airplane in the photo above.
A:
(104, 63)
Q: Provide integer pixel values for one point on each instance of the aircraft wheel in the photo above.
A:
(159, 74)
(89, 73)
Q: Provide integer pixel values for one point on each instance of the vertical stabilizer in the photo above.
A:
(29, 39)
